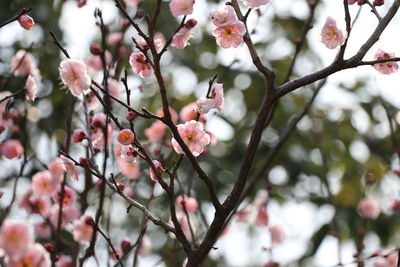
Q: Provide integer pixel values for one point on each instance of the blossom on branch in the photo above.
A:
(69, 167)
(139, 64)
(385, 67)
(30, 88)
(194, 137)
(181, 38)
(224, 17)
(255, 3)
(230, 35)
(26, 21)
(181, 7)
(73, 74)
(331, 36)
(216, 100)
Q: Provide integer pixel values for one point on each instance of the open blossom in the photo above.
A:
(15, 237)
(30, 88)
(82, 230)
(139, 64)
(181, 38)
(42, 230)
(69, 167)
(230, 35)
(369, 208)
(26, 21)
(155, 132)
(69, 195)
(385, 67)
(188, 112)
(126, 137)
(277, 234)
(73, 74)
(216, 100)
(159, 42)
(159, 168)
(11, 149)
(187, 203)
(224, 17)
(43, 183)
(36, 255)
(128, 153)
(94, 62)
(181, 7)
(130, 170)
(194, 137)
(255, 3)
(69, 213)
(331, 36)
(23, 63)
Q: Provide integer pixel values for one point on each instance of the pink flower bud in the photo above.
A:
(188, 203)
(131, 116)
(394, 205)
(126, 244)
(126, 137)
(26, 21)
(11, 149)
(369, 208)
(78, 136)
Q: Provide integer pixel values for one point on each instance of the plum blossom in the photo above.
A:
(277, 234)
(82, 230)
(128, 153)
(189, 204)
(130, 170)
(42, 230)
(159, 42)
(69, 213)
(78, 135)
(230, 35)
(331, 36)
(194, 137)
(216, 100)
(139, 64)
(69, 196)
(15, 237)
(155, 132)
(255, 3)
(73, 74)
(189, 112)
(26, 21)
(159, 168)
(126, 137)
(36, 255)
(30, 88)
(23, 63)
(36, 203)
(11, 149)
(385, 67)
(225, 17)
(181, 38)
(181, 7)
(69, 167)
(369, 208)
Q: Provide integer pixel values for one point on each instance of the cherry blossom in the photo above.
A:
(385, 67)
(139, 64)
(331, 36)
(369, 208)
(181, 38)
(30, 88)
(194, 137)
(230, 35)
(74, 75)
(225, 17)
(181, 7)
(216, 100)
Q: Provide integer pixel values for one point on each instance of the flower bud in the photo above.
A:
(26, 21)
(126, 137)
(126, 244)
(96, 49)
(131, 116)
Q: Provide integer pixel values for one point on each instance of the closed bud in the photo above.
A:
(49, 247)
(131, 116)
(378, 2)
(96, 49)
(89, 221)
(84, 161)
(126, 244)
(139, 14)
(26, 21)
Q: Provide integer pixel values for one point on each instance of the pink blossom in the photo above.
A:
(225, 17)
(262, 216)
(139, 64)
(155, 132)
(189, 112)
(78, 135)
(81, 3)
(255, 3)
(187, 203)
(174, 114)
(92, 102)
(277, 234)
(115, 38)
(181, 38)
(128, 153)
(56, 169)
(159, 168)
(130, 170)
(26, 21)
(23, 63)
(126, 244)
(69, 167)
(65, 261)
(181, 216)
(132, 2)
(381, 262)
(69, 196)
(350, 2)
(159, 42)
(15, 237)
(69, 213)
(35, 203)
(368, 208)
(181, 7)
(74, 75)
(114, 89)
(194, 137)
(94, 62)
(385, 67)
(82, 230)
(231, 35)
(42, 230)
(35, 256)
(126, 137)
(215, 101)
(11, 149)
(99, 120)
(30, 88)
(42, 183)
(331, 36)
(394, 205)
